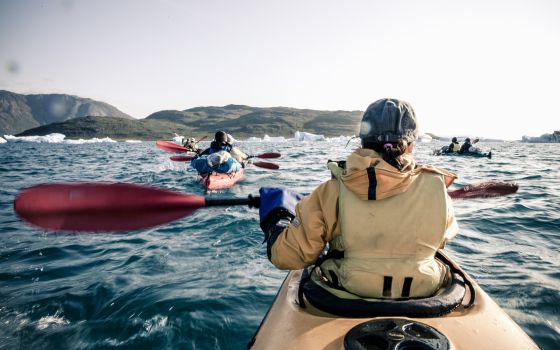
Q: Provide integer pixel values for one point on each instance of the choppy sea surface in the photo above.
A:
(203, 282)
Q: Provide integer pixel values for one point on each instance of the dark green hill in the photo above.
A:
(245, 121)
(21, 112)
(115, 128)
(239, 120)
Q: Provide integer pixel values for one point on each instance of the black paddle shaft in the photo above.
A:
(251, 201)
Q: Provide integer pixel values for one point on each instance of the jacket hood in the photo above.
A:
(389, 180)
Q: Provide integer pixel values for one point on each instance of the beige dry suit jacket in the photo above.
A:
(388, 224)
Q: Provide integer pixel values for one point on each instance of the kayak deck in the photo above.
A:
(287, 326)
(217, 181)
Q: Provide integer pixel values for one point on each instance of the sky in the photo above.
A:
(486, 68)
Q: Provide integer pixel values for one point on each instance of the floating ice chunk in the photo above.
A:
(267, 138)
(54, 138)
(306, 136)
(93, 140)
(425, 138)
(50, 138)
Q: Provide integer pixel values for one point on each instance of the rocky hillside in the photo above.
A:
(22, 112)
(115, 128)
(245, 121)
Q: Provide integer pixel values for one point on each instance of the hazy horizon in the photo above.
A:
(487, 69)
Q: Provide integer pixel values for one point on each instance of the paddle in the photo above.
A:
(170, 146)
(265, 165)
(262, 156)
(484, 190)
(105, 207)
(181, 158)
(173, 147)
(268, 155)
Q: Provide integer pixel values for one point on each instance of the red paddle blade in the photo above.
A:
(170, 146)
(267, 165)
(485, 190)
(269, 155)
(181, 158)
(102, 206)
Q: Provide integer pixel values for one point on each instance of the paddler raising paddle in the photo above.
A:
(382, 215)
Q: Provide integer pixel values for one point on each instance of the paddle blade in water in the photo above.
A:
(267, 165)
(100, 207)
(181, 158)
(268, 155)
(485, 190)
(170, 146)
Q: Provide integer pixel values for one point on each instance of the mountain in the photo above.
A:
(115, 128)
(240, 121)
(21, 112)
(245, 121)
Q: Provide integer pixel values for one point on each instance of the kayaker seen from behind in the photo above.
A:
(465, 147)
(382, 215)
(454, 146)
(218, 157)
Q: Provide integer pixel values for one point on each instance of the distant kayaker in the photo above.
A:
(454, 146)
(191, 145)
(382, 215)
(217, 157)
(466, 146)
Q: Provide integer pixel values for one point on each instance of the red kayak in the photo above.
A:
(217, 181)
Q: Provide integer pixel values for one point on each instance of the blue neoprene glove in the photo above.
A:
(277, 203)
(277, 210)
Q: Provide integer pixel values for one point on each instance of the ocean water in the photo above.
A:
(203, 282)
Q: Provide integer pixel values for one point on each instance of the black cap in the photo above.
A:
(220, 137)
(454, 139)
(389, 120)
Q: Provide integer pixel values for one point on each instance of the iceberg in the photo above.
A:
(425, 138)
(93, 140)
(50, 138)
(54, 138)
(267, 138)
(306, 136)
(341, 138)
(2, 140)
(133, 141)
(300, 136)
